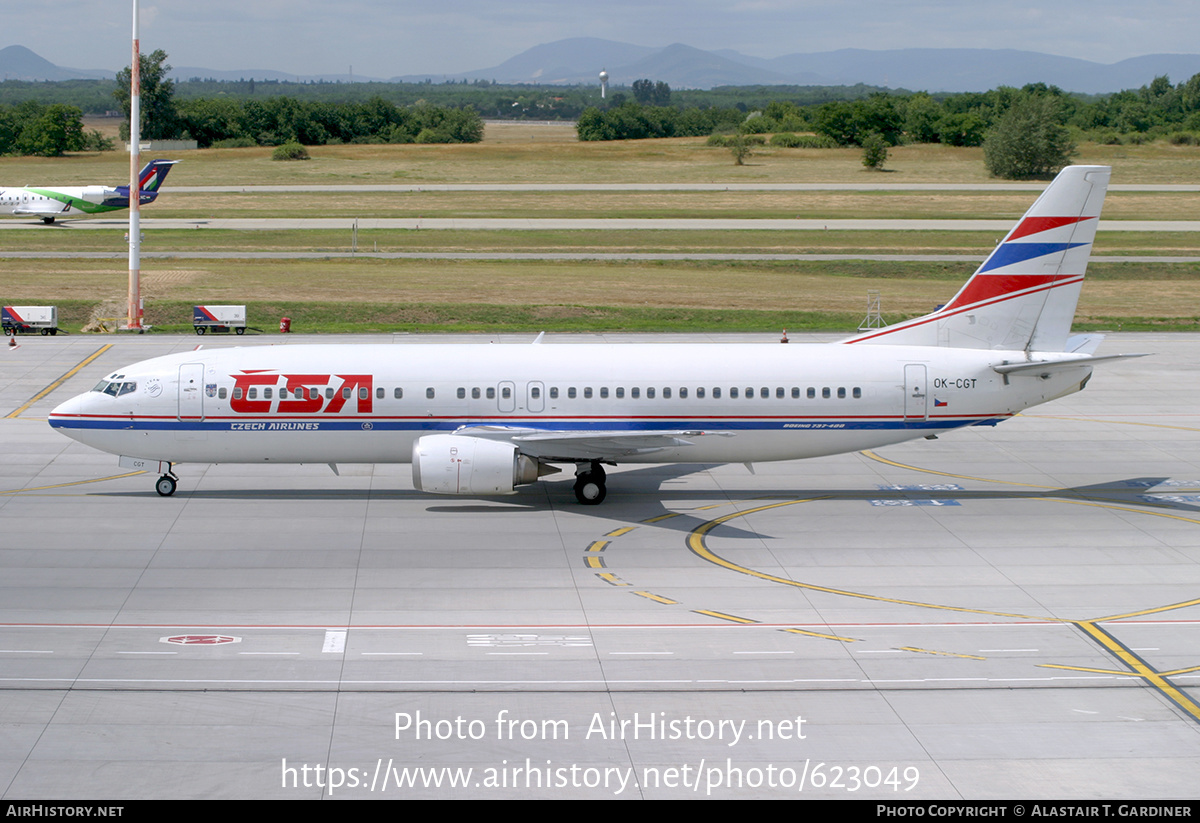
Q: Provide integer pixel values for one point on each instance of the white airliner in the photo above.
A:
(51, 203)
(483, 419)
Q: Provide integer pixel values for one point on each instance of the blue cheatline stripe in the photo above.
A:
(419, 426)
(1010, 253)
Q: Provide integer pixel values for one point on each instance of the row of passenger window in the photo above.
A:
(701, 392)
(535, 392)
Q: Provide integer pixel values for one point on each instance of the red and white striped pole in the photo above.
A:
(135, 183)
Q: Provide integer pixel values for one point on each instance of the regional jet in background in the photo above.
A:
(50, 203)
(484, 419)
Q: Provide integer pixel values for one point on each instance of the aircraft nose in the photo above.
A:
(65, 411)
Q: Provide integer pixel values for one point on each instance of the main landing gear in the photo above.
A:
(589, 483)
(166, 484)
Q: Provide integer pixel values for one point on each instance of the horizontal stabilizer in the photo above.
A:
(1040, 367)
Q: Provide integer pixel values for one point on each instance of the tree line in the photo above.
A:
(274, 121)
(47, 131)
(1156, 110)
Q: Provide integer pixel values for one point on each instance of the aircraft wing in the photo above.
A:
(586, 445)
(41, 208)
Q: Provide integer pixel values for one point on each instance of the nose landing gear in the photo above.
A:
(166, 484)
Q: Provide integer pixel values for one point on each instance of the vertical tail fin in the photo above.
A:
(1024, 294)
(154, 173)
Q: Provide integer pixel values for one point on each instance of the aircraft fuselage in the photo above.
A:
(299, 404)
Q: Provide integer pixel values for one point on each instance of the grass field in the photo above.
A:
(369, 294)
(366, 294)
(528, 153)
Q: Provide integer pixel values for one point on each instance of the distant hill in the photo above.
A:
(19, 63)
(579, 60)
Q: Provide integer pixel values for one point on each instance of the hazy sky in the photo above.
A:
(384, 38)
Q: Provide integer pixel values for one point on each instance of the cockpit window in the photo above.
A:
(115, 388)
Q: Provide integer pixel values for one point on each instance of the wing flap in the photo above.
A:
(587, 445)
(40, 208)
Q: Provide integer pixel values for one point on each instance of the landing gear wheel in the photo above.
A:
(165, 485)
(590, 490)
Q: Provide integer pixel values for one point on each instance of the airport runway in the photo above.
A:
(1000, 613)
(613, 257)
(600, 187)
(574, 224)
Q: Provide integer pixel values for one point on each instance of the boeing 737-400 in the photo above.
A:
(483, 419)
(51, 203)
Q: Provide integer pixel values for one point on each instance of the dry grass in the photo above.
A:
(514, 153)
(1135, 290)
(723, 204)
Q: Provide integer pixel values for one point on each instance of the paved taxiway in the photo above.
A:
(1007, 612)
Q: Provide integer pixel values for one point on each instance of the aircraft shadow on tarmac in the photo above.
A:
(636, 498)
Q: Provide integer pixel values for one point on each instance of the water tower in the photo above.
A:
(603, 84)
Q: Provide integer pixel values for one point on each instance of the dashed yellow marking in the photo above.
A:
(941, 654)
(594, 562)
(662, 517)
(87, 360)
(822, 636)
(723, 616)
(620, 531)
(597, 546)
(611, 579)
(657, 598)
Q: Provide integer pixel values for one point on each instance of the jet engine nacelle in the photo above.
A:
(454, 464)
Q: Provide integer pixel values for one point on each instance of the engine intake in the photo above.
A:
(455, 464)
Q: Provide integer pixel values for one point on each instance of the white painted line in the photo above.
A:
(270, 653)
(396, 654)
(335, 643)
